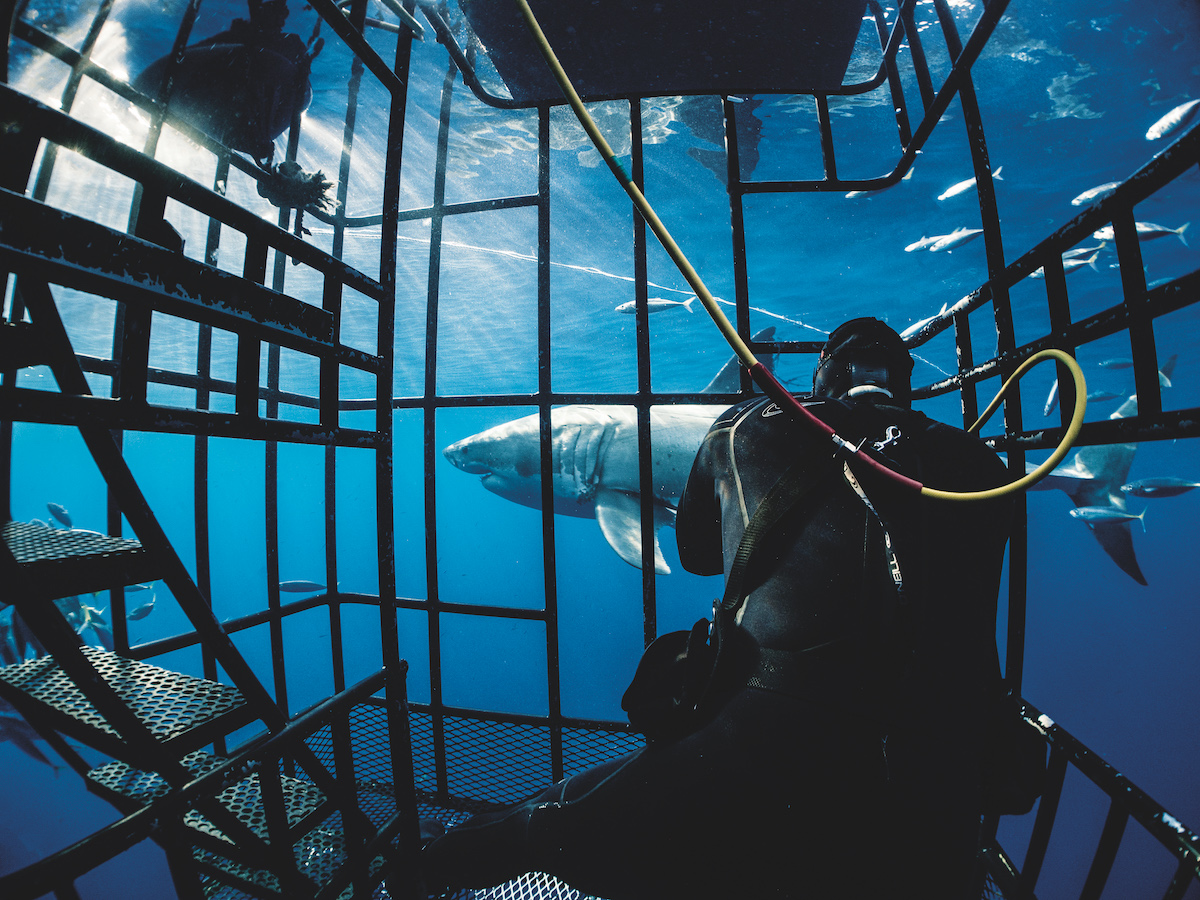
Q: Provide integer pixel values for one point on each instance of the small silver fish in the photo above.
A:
(956, 238)
(853, 194)
(1118, 362)
(915, 327)
(60, 513)
(1173, 121)
(1165, 486)
(1098, 192)
(1146, 231)
(94, 619)
(656, 304)
(1083, 252)
(301, 587)
(1070, 265)
(1051, 399)
(1100, 515)
(141, 611)
(924, 243)
(1101, 396)
(955, 189)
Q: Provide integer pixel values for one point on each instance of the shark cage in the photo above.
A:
(265, 265)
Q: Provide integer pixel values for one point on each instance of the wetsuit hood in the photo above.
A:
(865, 357)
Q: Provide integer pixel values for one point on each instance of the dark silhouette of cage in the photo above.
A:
(324, 802)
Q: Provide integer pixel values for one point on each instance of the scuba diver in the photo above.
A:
(833, 749)
(242, 86)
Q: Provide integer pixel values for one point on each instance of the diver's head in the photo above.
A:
(865, 358)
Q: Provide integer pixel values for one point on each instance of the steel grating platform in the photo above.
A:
(243, 799)
(60, 562)
(375, 788)
(319, 853)
(476, 782)
(173, 707)
(319, 856)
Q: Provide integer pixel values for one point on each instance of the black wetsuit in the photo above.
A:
(849, 779)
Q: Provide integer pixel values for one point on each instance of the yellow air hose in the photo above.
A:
(758, 371)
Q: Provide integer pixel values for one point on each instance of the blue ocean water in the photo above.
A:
(1067, 92)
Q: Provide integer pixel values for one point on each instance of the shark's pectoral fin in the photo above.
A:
(620, 517)
(1117, 541)
(1065, 478)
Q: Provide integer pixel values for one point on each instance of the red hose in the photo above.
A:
(784, 399)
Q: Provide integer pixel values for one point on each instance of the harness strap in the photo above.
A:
(889, 549)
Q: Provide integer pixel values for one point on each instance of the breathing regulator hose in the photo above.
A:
(760, 373)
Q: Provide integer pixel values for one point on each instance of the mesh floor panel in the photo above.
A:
(372, 760)
(168, 703)
(490, 762)
(62, 562)
(534, 886)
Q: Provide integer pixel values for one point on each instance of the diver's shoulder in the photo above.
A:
(762, 410)
(757, 406)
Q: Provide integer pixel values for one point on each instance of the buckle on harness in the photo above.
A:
(890, 436)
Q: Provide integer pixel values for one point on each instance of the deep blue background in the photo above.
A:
(1067, 91)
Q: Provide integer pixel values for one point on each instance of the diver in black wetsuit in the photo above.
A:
(834, 756)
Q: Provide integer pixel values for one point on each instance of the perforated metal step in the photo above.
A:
(63, 562)
(179, 710)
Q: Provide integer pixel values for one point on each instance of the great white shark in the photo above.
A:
(1094, 476)
(594, 461)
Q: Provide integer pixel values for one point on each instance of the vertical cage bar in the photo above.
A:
(545, 388)
(1106, 851)
(384, 418)
(400, 745)
(200, 466)
(895, 84)
(1043, 823)
(825, 125)
(1058, 305)
(644, 437)
(271, 528)
(1141, 326)
(430, 431)
(919, 63)
(358, 12)
(1018, 576)
(733, 181)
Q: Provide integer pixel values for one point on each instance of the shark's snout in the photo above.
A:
(459, 454)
